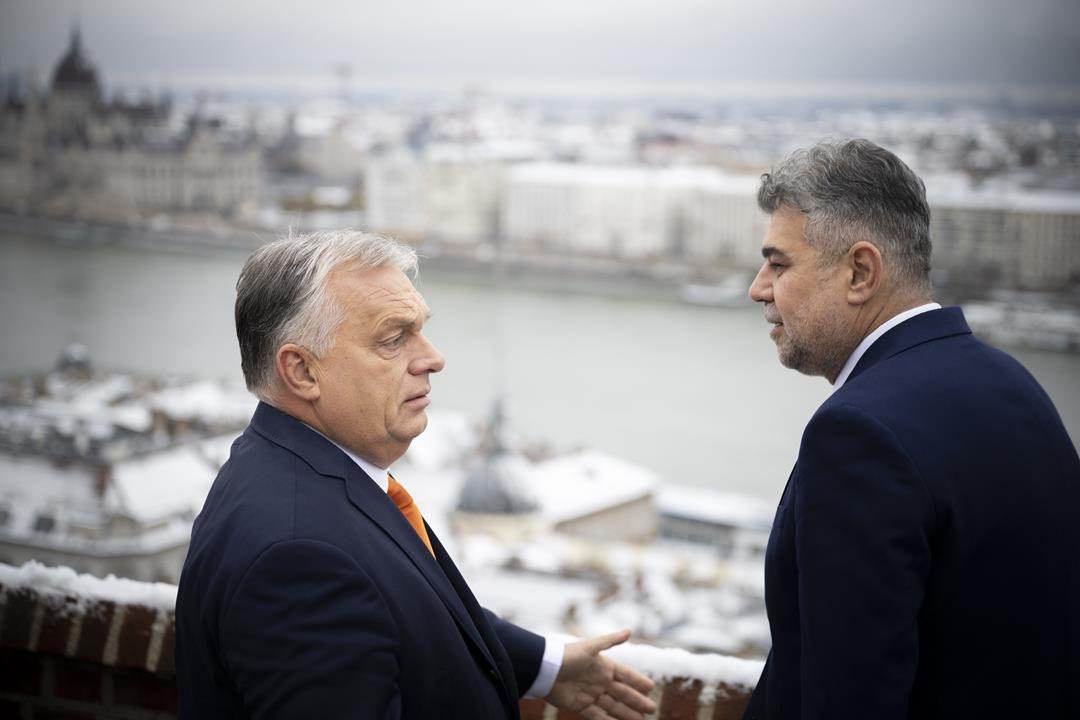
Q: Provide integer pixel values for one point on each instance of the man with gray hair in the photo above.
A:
(924, 561)
(313, 588)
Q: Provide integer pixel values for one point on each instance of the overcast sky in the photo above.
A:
(774, 46)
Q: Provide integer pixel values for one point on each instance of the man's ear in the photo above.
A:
(866, 272)
(297, 371)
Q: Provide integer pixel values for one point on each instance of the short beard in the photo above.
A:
(823, 356)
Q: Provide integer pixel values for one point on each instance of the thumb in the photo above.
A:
(600, 643)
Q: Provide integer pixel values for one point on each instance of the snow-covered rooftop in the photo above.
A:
(171, 482)
(578, 484)
(204, 400)
(711, 506)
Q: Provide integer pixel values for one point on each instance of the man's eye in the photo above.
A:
(395, 342)
(775, 266)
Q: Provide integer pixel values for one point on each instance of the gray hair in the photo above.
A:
(851, 191)
(281, 296)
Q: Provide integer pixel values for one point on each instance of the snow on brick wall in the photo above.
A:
(78, 646)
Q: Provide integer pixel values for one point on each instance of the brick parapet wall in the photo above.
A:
(67, 656)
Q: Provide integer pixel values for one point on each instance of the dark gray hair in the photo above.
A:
(856, 190)
(281, 296)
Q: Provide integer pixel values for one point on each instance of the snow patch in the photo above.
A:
(61, 584)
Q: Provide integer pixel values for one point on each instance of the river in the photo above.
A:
(694, 393)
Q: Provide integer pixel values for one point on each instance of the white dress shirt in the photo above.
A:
(870, 339)
(554, 648)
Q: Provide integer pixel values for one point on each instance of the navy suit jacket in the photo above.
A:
(924, 561)
(307, 594)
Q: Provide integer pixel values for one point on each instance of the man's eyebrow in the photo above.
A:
(397, 322)
(773, 252)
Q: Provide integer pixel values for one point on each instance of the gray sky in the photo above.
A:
(769, 46)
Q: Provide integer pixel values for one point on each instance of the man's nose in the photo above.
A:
(760, 290)
(429, 358)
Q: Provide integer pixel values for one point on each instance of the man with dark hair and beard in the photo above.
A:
(924, 560)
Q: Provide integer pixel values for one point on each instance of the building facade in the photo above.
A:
(73, 152)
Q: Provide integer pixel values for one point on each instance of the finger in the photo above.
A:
(600, 643)
(631, 698)
(593, 713)
(630, 676)
(618, 710)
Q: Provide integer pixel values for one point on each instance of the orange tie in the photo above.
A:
(404, 501)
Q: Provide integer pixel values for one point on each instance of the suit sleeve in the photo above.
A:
(525, 649)
(863, 521)
(307, 635)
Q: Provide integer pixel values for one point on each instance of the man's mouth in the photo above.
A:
(419, 398)
(776, 323)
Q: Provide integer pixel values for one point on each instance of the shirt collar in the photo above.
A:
(870, 339)
(381, 476)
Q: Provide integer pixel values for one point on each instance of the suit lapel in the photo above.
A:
(491, 642)
(369, 499)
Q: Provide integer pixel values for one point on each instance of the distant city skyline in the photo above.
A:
(974, 49)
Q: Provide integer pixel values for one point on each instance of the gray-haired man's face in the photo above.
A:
(804, 302)
(374, 382)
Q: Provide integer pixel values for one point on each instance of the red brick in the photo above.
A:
(56, 628)
(730, 703)
(167, 662)
(144, 690)
(77, 681)
(95, 631)
(532, 709)
(680, 700)
(18, 617)
(20, 672)
(135, 636)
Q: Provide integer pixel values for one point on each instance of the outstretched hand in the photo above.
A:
(597, 687)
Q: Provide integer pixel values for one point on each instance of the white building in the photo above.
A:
(446, 193)
(638, 212)
(1005, 236)
(614, 211)
(717, 215)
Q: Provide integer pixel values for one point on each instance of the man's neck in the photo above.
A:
(875, 317)
(879, 329)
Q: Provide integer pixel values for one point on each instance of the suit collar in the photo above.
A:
(316, 450)
(928, 326)
(872, 338)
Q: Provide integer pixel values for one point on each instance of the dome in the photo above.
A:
(498, 483)
(74, 71)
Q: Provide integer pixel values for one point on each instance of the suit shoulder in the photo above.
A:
(957, 367)
(250, 506)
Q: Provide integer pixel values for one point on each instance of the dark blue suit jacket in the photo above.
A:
(307, 594)
(925, 557)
